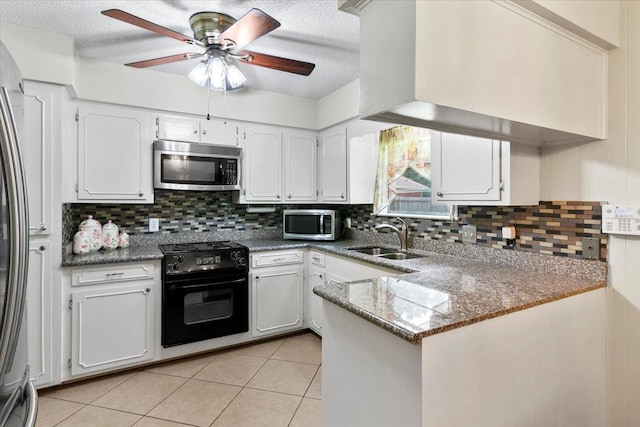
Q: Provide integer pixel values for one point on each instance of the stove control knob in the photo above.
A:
(234, 255)
(241, 261)
(176, 266)
(180, 258)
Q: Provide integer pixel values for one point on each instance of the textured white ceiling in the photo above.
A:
(312, 31)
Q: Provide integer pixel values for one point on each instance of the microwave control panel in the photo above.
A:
(621, 219)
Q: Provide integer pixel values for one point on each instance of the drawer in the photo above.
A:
(268, 259)
(316, 258)
(121, 273)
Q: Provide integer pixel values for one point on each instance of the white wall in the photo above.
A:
(609, 170)
(49, 57)
(340, 105)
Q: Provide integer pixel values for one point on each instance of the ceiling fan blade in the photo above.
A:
(276, 62)
(147, 25)
(164, 60)
(252, 25)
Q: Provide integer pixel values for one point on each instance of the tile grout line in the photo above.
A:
(245, 386)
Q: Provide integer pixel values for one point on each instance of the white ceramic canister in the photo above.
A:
(109, 235)
(94, 230)
(124, 239)
(81, 243)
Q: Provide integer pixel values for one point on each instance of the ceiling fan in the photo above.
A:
(221, 36)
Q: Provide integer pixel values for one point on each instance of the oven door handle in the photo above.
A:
(208, 285)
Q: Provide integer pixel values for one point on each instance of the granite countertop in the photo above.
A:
(450, 292)
(429, 295)
(131, 254)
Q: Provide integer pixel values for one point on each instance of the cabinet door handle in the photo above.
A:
(204, 132)
(278, 196)
(147, 291)
(320, 276)
(43, 248)
(342, 196)
(288, 196)
(257, 277)
(195, 131)
(140, 194)
(43, 227)
(440, 194)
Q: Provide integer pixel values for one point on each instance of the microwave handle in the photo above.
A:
(321, 224)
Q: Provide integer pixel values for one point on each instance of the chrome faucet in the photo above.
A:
(403, 232)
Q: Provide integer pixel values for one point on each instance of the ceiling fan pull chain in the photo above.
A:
(208, 103)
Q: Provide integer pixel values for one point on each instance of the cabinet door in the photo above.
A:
(277, 300)
(218, 132)
(39, 312)
(316, 315)
(300, 166)
(263, 164)
(42, 123)
(114, 154)
(111, 327)
(333, 166)
(178, 129)
(465, 168)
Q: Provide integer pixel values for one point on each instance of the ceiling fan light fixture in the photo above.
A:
(199, 74)
(217, 73)
(235, 78)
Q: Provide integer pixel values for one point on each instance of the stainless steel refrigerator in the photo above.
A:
(18, 396)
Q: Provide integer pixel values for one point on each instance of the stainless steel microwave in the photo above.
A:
(193, 166)
(311, 224)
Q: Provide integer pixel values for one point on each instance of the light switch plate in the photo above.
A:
(469, 234)
(590, 248)
(154, 224)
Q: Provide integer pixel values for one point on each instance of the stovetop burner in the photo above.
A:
(183, 248)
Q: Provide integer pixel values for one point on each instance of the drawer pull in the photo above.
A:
(108, 275)
(279, 259)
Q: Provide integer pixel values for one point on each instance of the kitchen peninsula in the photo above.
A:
(465, 343)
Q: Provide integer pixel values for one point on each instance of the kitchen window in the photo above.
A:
(403, 179)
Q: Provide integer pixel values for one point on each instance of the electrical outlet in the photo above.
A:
(469, 234)
(154, 224)
(590, 248)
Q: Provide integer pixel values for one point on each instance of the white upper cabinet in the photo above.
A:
(468, 170)
(114, 154)
(214, 131)
(42, 107)
(300, 166)
(486, 68)
(262, 164)
(333, 165)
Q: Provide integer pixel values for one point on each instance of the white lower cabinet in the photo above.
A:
(277, 292)
(326, 269)
(112, 323)
(39, 314)
(316, 317)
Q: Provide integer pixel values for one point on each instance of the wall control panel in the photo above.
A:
(621, 219)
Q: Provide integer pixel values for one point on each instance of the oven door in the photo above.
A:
(196, 309)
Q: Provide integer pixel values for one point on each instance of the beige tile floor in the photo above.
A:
(273, 383)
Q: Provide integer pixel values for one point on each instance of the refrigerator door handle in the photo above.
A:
(18, 232)
(31, 396)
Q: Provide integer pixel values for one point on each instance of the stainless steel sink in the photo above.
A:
(400, 255)
(387, 253)
(374, 250)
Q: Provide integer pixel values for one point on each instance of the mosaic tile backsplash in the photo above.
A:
(551, 228)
